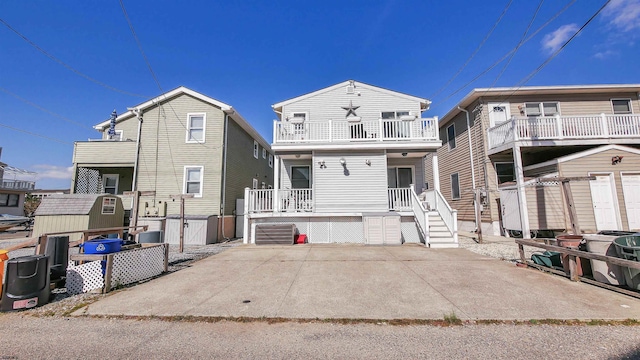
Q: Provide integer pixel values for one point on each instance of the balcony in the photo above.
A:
(357, 132)
(562, 128)
(105, 152)
(18, 184)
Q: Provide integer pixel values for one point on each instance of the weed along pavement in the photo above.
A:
(356, 282)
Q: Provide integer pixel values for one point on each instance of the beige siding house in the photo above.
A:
(504, 149)
(181, 142)
(349, 156)
(12, 190)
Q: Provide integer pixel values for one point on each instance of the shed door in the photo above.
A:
(631, 191)
(604, 208)
(374, 230)
(510, 208)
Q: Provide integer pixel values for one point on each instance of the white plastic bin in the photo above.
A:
(603, 245)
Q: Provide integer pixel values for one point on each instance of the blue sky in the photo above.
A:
(252, 54)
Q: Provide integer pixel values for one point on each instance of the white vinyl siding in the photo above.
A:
(196, 123)
(451, 136)
(621, 106)
(193, 180)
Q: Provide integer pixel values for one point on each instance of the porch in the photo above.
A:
(564, 130)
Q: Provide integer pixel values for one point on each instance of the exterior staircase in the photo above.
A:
(439, 234)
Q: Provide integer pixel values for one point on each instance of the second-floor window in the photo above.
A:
(455, 186)
(621, 106)
(256, 149)
(195, 127)
(270, 160)
(505, 172)
(393, 114)
(451, 136)
(549, 108)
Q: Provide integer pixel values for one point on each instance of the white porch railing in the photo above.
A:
(400, 199)
(603, 126)
(18, 184)
(345, 131)
(421, 216)
(260, 201)
(450, 216)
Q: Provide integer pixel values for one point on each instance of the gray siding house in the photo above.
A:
(181, 142)
(348, 158)
(505, 148)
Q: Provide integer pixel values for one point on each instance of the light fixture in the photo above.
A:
(404, 154)
(322, 165)
(368, 162)
(297, 156)
(343, 162)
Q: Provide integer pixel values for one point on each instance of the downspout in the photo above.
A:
(224, 169)
(473, 177)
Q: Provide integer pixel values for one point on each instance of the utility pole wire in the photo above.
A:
(69, 67)
(486, 37)
(509, 53)
(38, 135)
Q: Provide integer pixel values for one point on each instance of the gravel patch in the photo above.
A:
(505, 250)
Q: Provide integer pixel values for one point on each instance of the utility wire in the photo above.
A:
(519, 44)
(486, 37)
(50, 56)
(45, 110)
(510, 51)
(38, 135)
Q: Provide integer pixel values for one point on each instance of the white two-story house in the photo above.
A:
(349, 168)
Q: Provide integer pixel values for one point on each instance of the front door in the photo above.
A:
(631, 191)
(400, 180)
(604, 205)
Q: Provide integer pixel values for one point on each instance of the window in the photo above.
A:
(193, 180)
(298, 116)
(108, 206)
(399, 177)
(393, 114)
(110, 183)
(498, 113)
(264, 153)
(505, 172)
(254, 185)
(621, 106)
(300, 177)
(255, 149)
(195, 127)
(455, 186)
(117, 137)
(270, 160)
(541, 109)
(451, 136)
(10, 200)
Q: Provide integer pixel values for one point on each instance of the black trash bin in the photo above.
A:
(27, 283)
(58, 250)
(628, 247)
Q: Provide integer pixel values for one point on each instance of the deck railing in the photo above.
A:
(361, 131)
(603, 126)
(400, 199)
(437, 202)
(18, 184)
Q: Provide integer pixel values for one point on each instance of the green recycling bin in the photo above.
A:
(628, 247)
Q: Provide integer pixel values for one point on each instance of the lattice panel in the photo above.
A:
(319, 231)
(88, 181)
(409, 231)
(346, 230)
(84, 278)
(136, 265)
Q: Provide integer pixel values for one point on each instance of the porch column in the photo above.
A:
(276, 182)
(245, 225)
(436, 171)
(522, 198)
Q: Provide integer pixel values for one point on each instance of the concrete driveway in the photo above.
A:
(363, 282)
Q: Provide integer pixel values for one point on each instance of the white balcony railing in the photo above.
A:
(332, 131)
(400, 199)
(18, 184)
(558, 127)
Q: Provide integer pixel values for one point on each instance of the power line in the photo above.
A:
(510, 51)
(486, 37)
(519, 44)
(38, 135)
(67, 65)
(44, 109)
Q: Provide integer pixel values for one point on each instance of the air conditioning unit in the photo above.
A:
(160, 210)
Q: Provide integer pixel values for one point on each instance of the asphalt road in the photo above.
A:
(26, 337)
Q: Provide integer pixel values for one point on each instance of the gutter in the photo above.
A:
(473, 178)
(223, 199)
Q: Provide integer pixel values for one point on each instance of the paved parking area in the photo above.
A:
(363, 282)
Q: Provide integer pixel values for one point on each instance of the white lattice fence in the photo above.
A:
(84, 278)
(88, 181)
(137, 264)
(346, 230)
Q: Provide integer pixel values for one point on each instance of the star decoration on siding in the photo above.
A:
(351, 110)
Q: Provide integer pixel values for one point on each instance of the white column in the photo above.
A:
(522, 198)
(605, 125)
(276, 183)
(245, 225)
(436, 171)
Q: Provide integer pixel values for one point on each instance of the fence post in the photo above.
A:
(559, 126)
